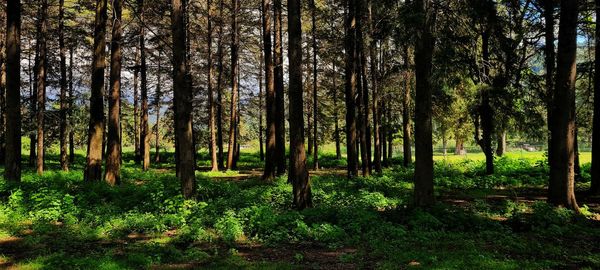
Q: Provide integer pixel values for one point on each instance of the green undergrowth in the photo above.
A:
(58, 221)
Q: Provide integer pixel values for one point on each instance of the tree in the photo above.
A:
(220, 85)
(315, 108)
(12, 168)
(144, 128)
(406, 113)
(375, 87)
(424, 47)
(41, 67)
(270, 158)
(298, 174)
(279, 91)
(70, 109)
(182, 102)
(561, 189)
(595, 187)
(234, 83)
(350, 89)
(211, 100)
(157, 105)
(93, 170)
(113, 155)
(64, 162)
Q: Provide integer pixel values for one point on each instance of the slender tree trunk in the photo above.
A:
(501, 147)
(550, 59)
(279, 88)
(338, 150)
(485, 109)
(64, 162)
(350, 89)
(136, 107)
(211, 99)
(365, 123)
(308, 103)
(561, 189)
(384, 133)
(298, 175)
(260, 107)
(270, 161)
(220, 155)
(234, 83)
(182, 102)
(70, 108)
(375, 87)
(595, 187)
(12, 169)
(390, 136)
(113, 156)
(2, 92)
(41, 84)
(144, 127)
(157, 106)
(32, 105)
(406, 128)
(315, 87)
(423, 132)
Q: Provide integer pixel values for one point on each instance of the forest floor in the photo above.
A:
(57, 221)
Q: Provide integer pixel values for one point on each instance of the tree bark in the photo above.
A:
(2, 91)
(144, 126)
(270, 159)
(157, 106)
(406, 127)
(338, 148)
(41, 67)
(298, 175)
(279, 88)
(315, 87)
(136, 107)
(350, 89)
(112, 175)
(64, 162)
(32, 105)
(485, 109)
(182, 102)
(550, 59)
(211, 101)
(375, 87)
(220, 155)
(423, 191)
(70, 108)
(12, 169)
(234, 83)
(260, 107)
(501, 144)
(595, 186)
(561, 189)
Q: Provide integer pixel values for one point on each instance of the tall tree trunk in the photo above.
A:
(406, 127)
(501, 144)
(182, 102)
(113, 155)
(144, 126)
(365, 124)
(315, 87)
(70, 108)
(270, 161)
(423, 106)
(157, 106)
(375, 87)
(485, 109)
(41, 67)
(308, 103)
(298, 175)
(336, 135)
(260, 107)
(220, 86)
(384, 133)
(12, 169)
(550, 59)
(136, 107)
(390, 135)
(2, 91)
(350, 89)
(595, 187)
(279, 87)
(211, 99)
(234, 82)
(64, 162)
(93, 171)
(561, 189)
(32, 105)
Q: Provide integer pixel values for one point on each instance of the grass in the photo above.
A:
(57, 221)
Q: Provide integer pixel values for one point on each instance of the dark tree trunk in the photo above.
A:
(2, 92)
(12, 169)
(279, 91)
(384, 132)
(234, 83)
(390, 136)
(157, 106)
(338, 148)
(270, 161)
(406, 100)
(70, 108)
(365, 124)
(64, 105)
(595, 187)
(550, 59)
(93, 170)
(298, 175)
(423, 132)
(144, 128)
(375, 87)
(561, 189)
(260, 107)
(501, 144)
(113, 155)
(350, 89)
(485, 109)
(41, 67)
(219, 104)
(182, 102)
(315, 87)
(32, 106)
(211, 99)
